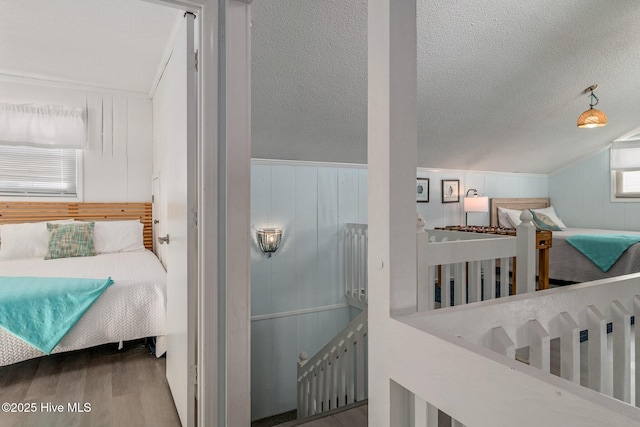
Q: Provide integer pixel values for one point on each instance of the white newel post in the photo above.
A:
(392, 149)
(526, 254)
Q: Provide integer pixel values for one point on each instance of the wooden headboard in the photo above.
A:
(517, 204)
(15, 212)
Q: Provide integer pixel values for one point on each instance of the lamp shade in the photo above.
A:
(592, 118)
(476, 204)
(269, 239)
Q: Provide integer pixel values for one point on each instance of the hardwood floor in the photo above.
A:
(355, 415)
(120, 388)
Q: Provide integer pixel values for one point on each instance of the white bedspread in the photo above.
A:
(567, 263)
(133, 307)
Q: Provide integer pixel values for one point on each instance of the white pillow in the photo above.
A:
(26, 240)
(508, 218)
(551, 213)
(118, 236)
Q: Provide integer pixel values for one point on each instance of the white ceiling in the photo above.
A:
(499, 82)
(116, 44)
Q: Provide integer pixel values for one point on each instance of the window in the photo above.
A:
(625, 169)
(38, 172)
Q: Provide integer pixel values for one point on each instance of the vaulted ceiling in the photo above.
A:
(499, 82)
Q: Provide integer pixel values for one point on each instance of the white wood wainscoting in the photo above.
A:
(118, 158)
(297, 295)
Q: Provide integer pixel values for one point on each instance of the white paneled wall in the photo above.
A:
(117, 161)
(297, 296)
(490, 184)
(582, 197)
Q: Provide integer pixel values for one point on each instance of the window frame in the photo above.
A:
(53, 198)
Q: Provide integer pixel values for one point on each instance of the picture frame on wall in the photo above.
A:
(422, 190)
(450, 191)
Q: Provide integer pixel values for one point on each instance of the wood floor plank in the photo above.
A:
(123, 388)
(45, 378)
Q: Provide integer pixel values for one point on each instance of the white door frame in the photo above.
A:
(224, 155)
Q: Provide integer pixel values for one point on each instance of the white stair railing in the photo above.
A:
(337, 375)
(479, 381)
(466, 261)
(355, 243)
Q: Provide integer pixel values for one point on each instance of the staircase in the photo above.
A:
(337, 375)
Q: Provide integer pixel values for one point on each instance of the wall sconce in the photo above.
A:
(269, 240)
(474, 204)
(592, 118)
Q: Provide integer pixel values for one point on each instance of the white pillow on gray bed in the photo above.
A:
(25, 240)
(118, 236)
(508, 218)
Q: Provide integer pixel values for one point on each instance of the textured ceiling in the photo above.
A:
(114, 44)
(499, 82)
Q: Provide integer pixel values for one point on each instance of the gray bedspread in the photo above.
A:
(568, 264)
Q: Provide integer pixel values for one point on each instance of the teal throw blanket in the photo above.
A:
(603, 249)
(41, 310)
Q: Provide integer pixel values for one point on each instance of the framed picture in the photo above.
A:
(422, 190)
(450, 190)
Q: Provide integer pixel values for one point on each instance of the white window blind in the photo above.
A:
(625, 156)
(29, 171)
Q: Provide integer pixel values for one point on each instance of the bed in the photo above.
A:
(567, 264)
(132, 307)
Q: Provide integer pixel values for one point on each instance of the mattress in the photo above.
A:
(568, 264)
(133, 307)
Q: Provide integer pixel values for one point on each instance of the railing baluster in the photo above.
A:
(326, 386)
(342, 390)
(597, 345)
(360, 363)
(489, 274)
(539, 349)
(425, 297)
(621, 348)
(366, 265)
(460, 281)
(313, 392)
(349, 371)
(445, 286)
(569, 348)
(636, 313)
(502, 343)
(475, 281)
(504, 277)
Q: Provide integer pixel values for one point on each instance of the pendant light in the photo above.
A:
(592, 118)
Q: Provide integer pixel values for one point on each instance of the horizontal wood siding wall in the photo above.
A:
(118, 159)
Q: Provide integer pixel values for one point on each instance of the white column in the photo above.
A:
(392, 148)
(237, 171)
(208, 337)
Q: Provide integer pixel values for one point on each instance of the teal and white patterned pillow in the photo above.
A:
(544, 222)
(70, 240)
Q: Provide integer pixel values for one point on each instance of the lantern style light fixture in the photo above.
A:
(474, 204)
(269, 240)
(592, 118)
